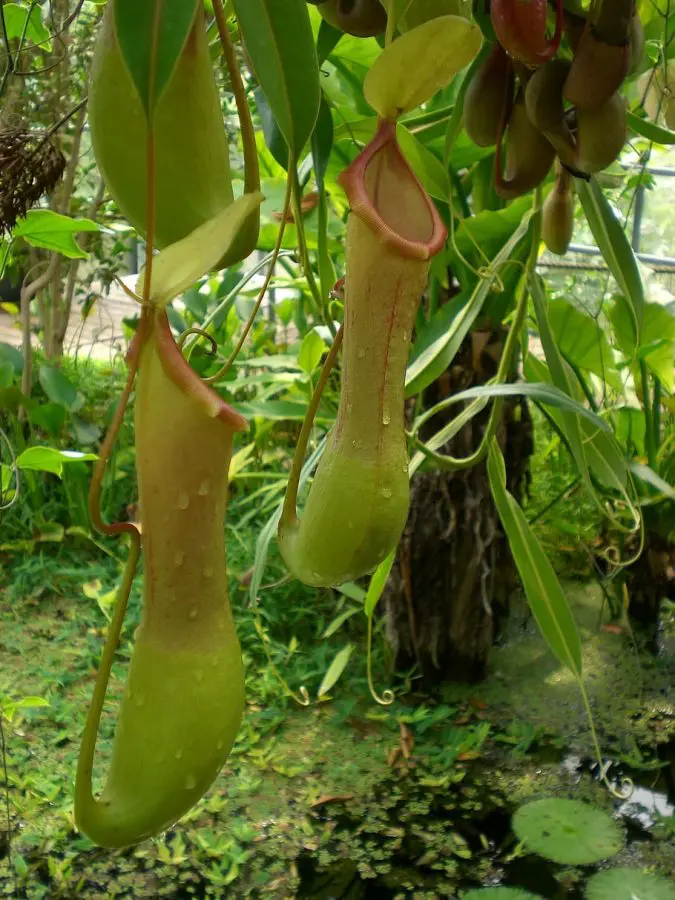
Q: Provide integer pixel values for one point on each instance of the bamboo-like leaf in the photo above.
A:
(646, 128)
(544, 594)
(278, 37)
(615, 247)
(335, 670)
(421, 62)
(433, 358)
(179, 265)
(377, 582)
(151, 36)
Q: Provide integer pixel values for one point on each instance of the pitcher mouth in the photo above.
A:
(386, 194)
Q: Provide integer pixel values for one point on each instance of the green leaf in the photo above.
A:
(18, 19)
(567, 831)
(649, 476)
(280, 43)
(311, 350)
(48, 459)
(543, 591)
(151, 36)
(430, 171)
(657, 344)
(179, 265)
(339, 621)
(628, 884)
(377, 582)
(419, 63)
(615, 247)
(6, 373)
(582, 342)
(56, 386)
(436, 347)
(335, 670)
(52, 231)
(13, 356)
(649, 130)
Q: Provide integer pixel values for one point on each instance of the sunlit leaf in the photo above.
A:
(179, 265)
(335, 670)
(419, 63)
(52, 231)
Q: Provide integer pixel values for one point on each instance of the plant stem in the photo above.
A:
(650, 445)
(289, 512)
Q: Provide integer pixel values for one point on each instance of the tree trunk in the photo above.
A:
(450, 586)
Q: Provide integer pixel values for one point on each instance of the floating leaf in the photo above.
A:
(179, 265)
(568, 831)
(335, 669)
(628, 884)
(421, 62)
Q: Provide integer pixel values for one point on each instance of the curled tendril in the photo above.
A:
(132, 295)
(213, 348)
(626, 785)
(15, 469)
(302, 697)
(388, 695)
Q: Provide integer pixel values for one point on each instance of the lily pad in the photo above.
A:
(629, 884)
(500, 893)
(567, 831)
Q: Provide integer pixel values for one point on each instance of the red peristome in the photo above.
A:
(178, 369)
(408, 203)
(520, 26)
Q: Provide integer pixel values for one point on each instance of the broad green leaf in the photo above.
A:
(569, 832)
(48, 459)
(52, 231)
(582, 342)
(57, 387)
(629, 884)
(6, 373)
(649, 130)
(419, 63)
(280, 43)
(377, 582)
(657, 344)
(335, 670)
(311, 350)
(543, 591)
(151, 36)
(179, 265)
(18, 21)
(424, 164)
(616, 250)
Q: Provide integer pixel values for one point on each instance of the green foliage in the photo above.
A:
(567, 831)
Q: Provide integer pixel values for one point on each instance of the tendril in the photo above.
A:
(15, 470)
(213, 348)
(388, 695)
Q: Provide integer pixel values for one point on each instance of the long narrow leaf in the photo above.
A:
(615, 247)
(545, 596)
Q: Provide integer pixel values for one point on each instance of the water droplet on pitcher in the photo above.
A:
(204, 487)
(386, 417)
(179, 557)
(360, 353)
(179, 753)
(220, 745)
(406, 337)
(194, 612)
(350, 406)
(183, 500)
(199, 675)
(207, 571)
(139, 699)
(190, 783)
(386, 493)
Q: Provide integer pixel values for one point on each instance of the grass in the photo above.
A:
(413, 799)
